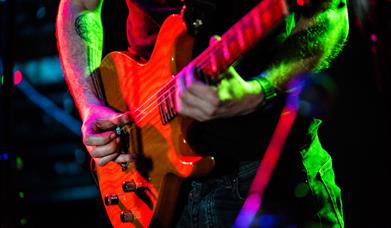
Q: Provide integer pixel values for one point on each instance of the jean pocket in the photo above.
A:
(242, 183)
(238, 190)
(327, 196)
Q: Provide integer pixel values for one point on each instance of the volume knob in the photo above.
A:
(131, 186)
(126, 216)
(111, 199)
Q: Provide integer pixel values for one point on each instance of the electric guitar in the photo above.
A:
(145, 192)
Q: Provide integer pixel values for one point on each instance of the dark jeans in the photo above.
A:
(306, 196)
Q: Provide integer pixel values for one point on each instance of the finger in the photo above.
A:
(190, 76)
(196, 103)
(123, 158)
(104, 125)
(207, 93)
(231, 71)
(99, 139)
(194, 113)
(104, 150)
(103, 161)
(224, 93)
(227, 108)
(180, 89)
(122, 119)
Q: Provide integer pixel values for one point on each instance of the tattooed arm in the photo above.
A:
(80, 39)
(308, 45)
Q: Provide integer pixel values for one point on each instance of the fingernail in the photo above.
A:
(112, 135)
(101, 163)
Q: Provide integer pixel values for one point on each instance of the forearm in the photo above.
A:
(312, 45)
(80, 39)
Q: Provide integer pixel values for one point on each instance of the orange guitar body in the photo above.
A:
(145, 192)
(163, 156)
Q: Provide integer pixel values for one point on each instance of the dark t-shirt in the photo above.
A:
(144, 21)
(233, 139)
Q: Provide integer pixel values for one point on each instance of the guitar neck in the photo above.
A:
(214, 60)
(241, 37)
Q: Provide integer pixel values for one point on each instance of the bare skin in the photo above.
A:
(81, 52)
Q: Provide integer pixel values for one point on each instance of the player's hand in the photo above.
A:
(231, 97)
(99, 137)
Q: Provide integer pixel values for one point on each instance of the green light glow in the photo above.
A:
(23, 221)
(334, 40)
(312, 45)
(301, 190)
(89, 27)
(2, 79)
(21, 195)
(19, 163)
(234, 87)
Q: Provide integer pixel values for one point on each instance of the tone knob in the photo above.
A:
(130, 186)
(126, 216)
(111, 199)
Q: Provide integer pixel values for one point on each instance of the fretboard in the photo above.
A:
(241, 37)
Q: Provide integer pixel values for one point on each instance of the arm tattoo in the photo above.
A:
(88, 27)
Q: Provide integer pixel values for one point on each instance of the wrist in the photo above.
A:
(267, 89)
(91, 109)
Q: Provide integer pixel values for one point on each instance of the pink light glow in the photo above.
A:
(300, 2)
(254, 201)
(266, 168)
(18, 77)
(374, 38)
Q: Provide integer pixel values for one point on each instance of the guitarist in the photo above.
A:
(236, 117)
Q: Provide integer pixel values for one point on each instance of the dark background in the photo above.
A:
(45, 179)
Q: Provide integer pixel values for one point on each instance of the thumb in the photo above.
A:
(114, 121)
(122, 119)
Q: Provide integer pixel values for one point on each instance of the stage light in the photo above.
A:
(21, 195)
(19, 163)
(300, 2)
(18, 77)
(4, 156)
(374, 38)
(23, 221)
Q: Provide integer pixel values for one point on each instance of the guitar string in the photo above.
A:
(152, 100)
(171, 85)
(149, 133)
(242, 23)
(153, 119)
(203, 62)
(245, 20)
